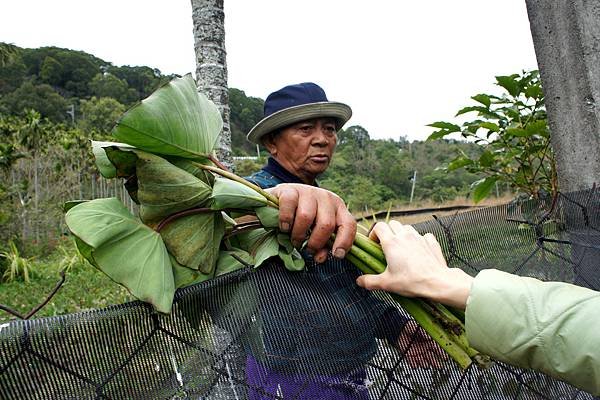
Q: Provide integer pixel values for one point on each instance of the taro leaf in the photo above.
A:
(228, 263)
(293, 261)
(184, 276)
(164, 189)
(267, 247)
(106, 168)
(194, 240)
(285, 242)
(268, 216)
(189, 166)
(231, 194)
(175, 120)
(126, 250)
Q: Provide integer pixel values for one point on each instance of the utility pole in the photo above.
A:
(412, 190)
(71, 111)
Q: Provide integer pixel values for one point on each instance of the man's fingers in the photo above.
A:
(305, 217)
(346, 231)
(321, 255)
(288, 202)
(324, 224)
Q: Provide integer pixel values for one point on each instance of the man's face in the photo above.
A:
(305, 148)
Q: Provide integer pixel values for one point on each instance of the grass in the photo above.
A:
(85, 287)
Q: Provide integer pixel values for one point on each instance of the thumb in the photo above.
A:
(369, 282)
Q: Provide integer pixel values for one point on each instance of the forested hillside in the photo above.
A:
(53, 101)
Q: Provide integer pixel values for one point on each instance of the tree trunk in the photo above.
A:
(211, 65)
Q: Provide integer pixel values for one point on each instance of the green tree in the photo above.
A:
(8, 52)
(42, 98)
(144, 80)
(51, 71)
(100, 114)
(245, 113)
(108, 85)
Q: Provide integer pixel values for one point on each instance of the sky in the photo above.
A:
(399, 64)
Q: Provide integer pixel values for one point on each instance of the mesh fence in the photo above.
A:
(273, 334)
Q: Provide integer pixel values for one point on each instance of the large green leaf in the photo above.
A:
(231, 194)
(164, 189)
(175, 120)
(194, 240)
(126, 250)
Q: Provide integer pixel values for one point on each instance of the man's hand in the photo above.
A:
(308, 211)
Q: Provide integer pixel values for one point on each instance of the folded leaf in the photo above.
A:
(184, 276)
(293, 261)
(164, 189)
(229, 261)
(231, 194)
(268, 216)
(175, 120)
(265, 248)
(126, 250)
(189, 166)
(194, 240)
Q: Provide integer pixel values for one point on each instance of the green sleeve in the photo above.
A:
(551, 327)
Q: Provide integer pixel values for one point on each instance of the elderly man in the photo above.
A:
(299, 130)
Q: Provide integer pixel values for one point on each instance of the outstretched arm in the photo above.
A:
(547, 326)
(416, 267)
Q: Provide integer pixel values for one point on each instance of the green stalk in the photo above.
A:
(373, 263)
(229, 175)
(365, 269)
(369, 246)
(441, 324)
(434, 330)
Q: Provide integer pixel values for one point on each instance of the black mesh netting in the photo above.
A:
(223, 335)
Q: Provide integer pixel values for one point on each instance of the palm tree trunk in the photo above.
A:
(208, 17)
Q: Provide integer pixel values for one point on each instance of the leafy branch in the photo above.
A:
(513, 131)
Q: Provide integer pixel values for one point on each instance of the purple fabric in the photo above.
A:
(268, 384)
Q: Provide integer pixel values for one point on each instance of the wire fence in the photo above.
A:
(273, 334)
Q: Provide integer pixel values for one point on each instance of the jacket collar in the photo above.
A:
(275, 169)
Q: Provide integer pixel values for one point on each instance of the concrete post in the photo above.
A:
(566, 37)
